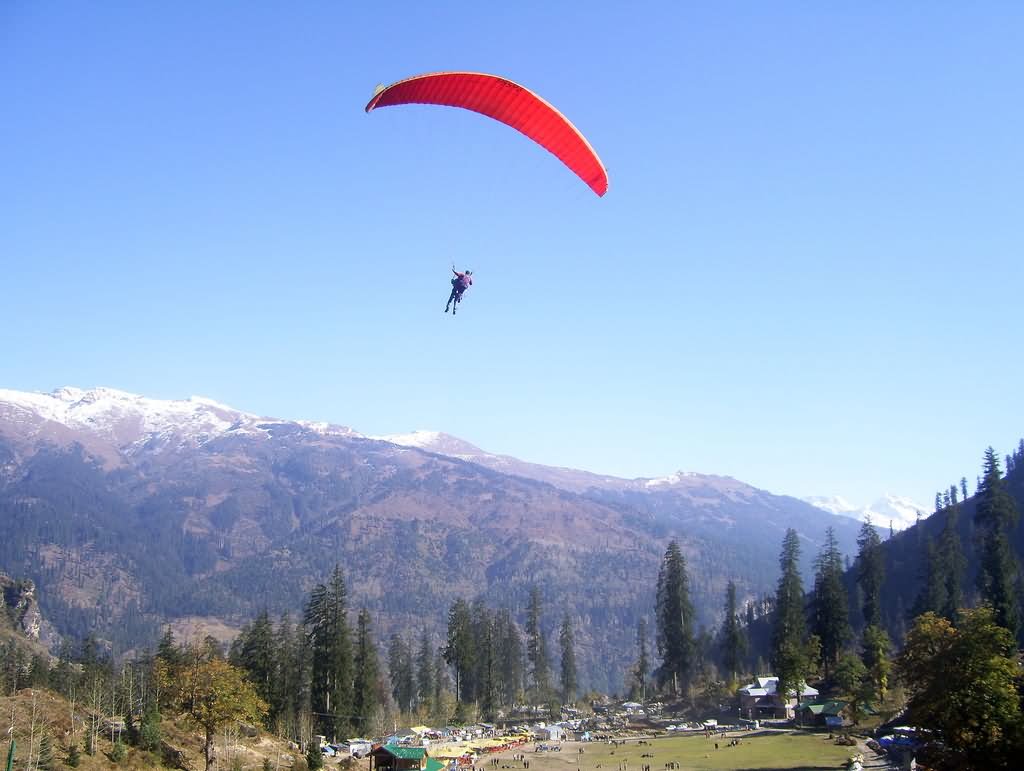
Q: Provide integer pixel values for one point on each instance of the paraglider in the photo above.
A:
(460, 284)
(507, 102)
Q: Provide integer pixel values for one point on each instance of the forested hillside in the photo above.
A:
(924, 551)
(933, 565)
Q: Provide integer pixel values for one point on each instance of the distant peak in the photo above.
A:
(671, 479)
(433, 441)
(691, 478)
(897, 511)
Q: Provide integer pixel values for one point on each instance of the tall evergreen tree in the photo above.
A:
(994, 515)
(789, 652)
(875, 646)
(330, 641)
(167, 651)
(870, 572)
(567, 645)
(537, 649)
(510, 656)
(675, 621)
(44, 760)
(442, 686)
(953, 565)
(365, 699)
(424, 669)
(254, 651)
(932, 595)
(460, 651)
(488, 674)
(643, 660)
(830, 618)
(401, 669)
(733, 639)
(287, 686)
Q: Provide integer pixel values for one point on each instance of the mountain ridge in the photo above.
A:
(127, 520)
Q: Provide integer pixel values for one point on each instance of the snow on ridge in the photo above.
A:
(127, 418)
(328, 429)
(684, 477)
(671, 479)
(419, 438)
(138, 423)
(896, 510)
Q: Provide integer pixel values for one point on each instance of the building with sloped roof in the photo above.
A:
(760, 699)
(827, 713)
(392, 757)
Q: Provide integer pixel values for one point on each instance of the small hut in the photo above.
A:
(391, 757)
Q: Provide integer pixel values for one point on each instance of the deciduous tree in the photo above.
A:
(962, 683)
(212, 693)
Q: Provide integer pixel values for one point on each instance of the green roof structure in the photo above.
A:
(405, 753)
(825, 708)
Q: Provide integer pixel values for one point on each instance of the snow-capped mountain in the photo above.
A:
(899, 511)
(576, 480)
(106, 418)
(112, 423)
(115, 497)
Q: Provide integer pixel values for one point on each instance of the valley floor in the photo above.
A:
(770, 749)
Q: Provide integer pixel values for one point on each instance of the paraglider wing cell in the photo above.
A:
(509, 103)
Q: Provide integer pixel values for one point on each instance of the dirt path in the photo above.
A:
(873, 760)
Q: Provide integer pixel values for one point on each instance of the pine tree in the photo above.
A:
(365, 700)
(870, 572)
(733, 639)
(963, 487)
(829, 609)
(44, 760)
(460, 651)
(314, 757)
(442, 686)
(254, 651)
(424, 669)
(74, 756)
(536, 649)
(488, 688)
(567, 645)
(643, 662)
(789, 652)
(994, 515)
(932, 595)
(510, 657)
(150, 732)
(167, 651)
(402, 678)
(285, 681)
(675, 621)
(953, 565)
(326, 623)
(875, 646)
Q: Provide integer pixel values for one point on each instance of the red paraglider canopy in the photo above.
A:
(509, 103)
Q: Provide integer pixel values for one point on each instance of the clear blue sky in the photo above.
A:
(806, 274)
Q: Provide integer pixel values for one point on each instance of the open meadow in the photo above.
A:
(795, 751)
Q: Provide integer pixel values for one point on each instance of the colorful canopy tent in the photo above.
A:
(507, 102)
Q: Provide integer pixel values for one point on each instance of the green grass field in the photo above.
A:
(771, 750)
